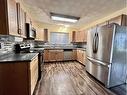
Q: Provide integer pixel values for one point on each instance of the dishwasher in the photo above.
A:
(68, 54)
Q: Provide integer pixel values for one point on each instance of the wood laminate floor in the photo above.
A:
(69, 78)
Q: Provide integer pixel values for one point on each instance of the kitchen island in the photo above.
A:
(18, 74)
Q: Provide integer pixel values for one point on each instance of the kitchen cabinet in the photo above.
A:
(121, 20)
(81, 56)
(33, 75)
(59, 55)
(12, 18)
(41, 34)
(46, 55)
(73, 36)
(18, 78)
(74, 54)
(53, 55)
(8, 18)
(79, 36)
(46, 35)
(21, 21)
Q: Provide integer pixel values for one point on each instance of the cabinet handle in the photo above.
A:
(19, 31)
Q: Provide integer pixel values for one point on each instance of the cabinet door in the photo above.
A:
(77, 38)
(73, 36)
(39, 34)
(84, 57)
(33, 74)
(59, 55)
(46, 55)
(78, 55)
(85, 36)
(12, 17)
(52, 55)
(46, 35)
(74, 54)
(121, 20)
(22, 19)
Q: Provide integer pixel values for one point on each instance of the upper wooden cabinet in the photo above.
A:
(46, 35)
(12, 18)
(8, 17)
(79, 36)
(121, 20)
(41, 34)
(73, 36)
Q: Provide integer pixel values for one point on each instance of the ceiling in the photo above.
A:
(87, 10)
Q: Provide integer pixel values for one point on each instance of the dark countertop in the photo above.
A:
(21, 57)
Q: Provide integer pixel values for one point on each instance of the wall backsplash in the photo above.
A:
(80, 45)
(7, 43)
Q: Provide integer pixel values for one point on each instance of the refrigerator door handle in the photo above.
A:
(94, 42)
(97, 61)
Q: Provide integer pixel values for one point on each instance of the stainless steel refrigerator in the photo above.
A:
(107, 54)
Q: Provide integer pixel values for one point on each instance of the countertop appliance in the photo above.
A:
(106, 54)
(30, 31)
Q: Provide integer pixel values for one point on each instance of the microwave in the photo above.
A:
(30, 31)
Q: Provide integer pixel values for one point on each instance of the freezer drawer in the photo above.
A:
(99, 71)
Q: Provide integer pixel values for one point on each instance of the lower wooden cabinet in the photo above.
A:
(58, 55)
(18, 78)
(81, 56)
(33, 75)
(74, 54)
(53, 55)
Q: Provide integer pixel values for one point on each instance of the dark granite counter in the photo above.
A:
(21, 57)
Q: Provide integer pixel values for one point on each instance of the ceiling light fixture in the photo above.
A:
(64, 18)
